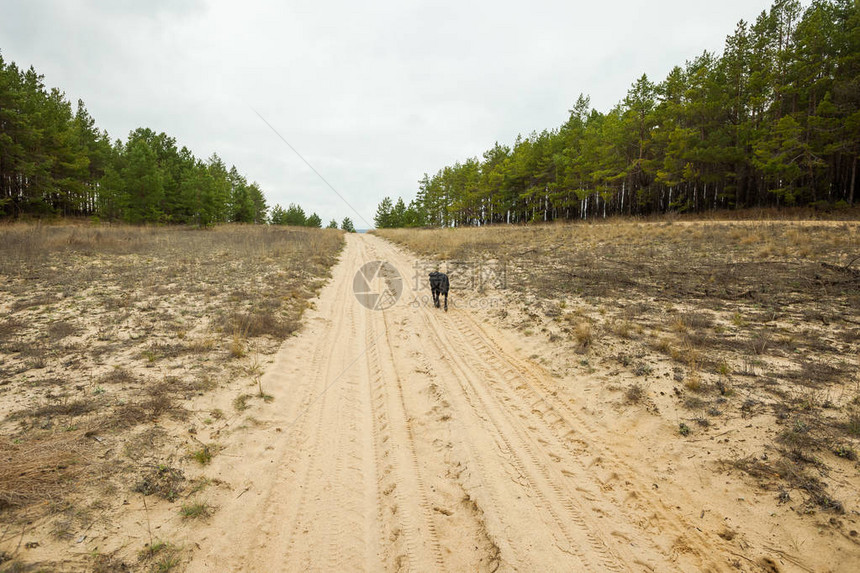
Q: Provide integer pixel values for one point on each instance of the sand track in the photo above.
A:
(411, 439)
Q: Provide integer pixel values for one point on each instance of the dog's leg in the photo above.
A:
(446, 302)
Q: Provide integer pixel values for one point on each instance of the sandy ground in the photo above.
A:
(413, 439)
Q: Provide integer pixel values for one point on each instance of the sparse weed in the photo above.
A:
(852, 425)
(161, 557)
(162, 480)
(203, 455)
(583, 335)
(635, 394)
(195, 510)
(847, 452)
(642, 369)
(237, 346)
(693, 382)
(240, 403)
(760, 342)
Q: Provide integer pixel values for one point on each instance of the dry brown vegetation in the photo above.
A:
(749, 329)
(106, 333)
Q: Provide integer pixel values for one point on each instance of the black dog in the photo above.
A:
(439, 285)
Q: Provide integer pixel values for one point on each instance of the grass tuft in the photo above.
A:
(196, 510)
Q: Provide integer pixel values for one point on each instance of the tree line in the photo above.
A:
(55, 161)
(773, 121)
(294, 215)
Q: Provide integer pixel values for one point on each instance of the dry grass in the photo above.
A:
(109, 331)
(40, 469)
(583, 335)
(701, 261)
(162, 480)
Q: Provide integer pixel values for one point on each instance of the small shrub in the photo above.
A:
(623, 329)
(852, 425)
(760, 342)
(724, 388)
(203, 456)
(201, 345)
(697, 320)
(678, 325)
(693, 382)
(237, 347)
(643, 369)
(62, 329)
(162, 480)
(118, 376)
(150, 355)
(797, 437)
(583, 335)
(846, 452)
(684, 429)
(195, 510)
(664, 345)
(241, 402)
(635, 394)
(161, 556)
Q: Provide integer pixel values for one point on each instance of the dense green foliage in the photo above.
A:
(294, 215)
(54, 161)
(774, 121)
(392, 215)
(347, 225)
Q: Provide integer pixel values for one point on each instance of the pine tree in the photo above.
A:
(398, 214)
(314, 221)
(278, 216)
(295, 216)
(382, 219)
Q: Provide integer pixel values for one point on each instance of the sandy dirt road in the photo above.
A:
(413, 439)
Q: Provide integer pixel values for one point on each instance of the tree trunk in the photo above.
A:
(853, 182)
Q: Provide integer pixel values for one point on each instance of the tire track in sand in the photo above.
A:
(512, 449)
(572, 431)
(402, 494)
(410, 439)
(453, 523)
(555, 438)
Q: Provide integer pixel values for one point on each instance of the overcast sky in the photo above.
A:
(372, 94)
